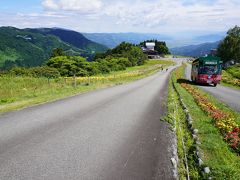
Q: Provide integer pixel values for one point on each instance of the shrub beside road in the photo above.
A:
(229, 80)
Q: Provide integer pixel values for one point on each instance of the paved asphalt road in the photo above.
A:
(227, 95)
(113, 133)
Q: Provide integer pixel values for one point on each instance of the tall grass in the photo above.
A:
(16, 88)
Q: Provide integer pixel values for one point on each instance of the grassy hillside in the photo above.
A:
(23, 48)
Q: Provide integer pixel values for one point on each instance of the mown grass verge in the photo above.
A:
(20, 92)
(216, 154)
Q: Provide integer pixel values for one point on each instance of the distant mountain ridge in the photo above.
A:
(173, 40)
(195, 50)
(32, 47)
(210, 37)
(113, 39)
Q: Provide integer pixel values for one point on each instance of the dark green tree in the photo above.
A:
(57, 52)
(136, 56)
(229, 47)
(161, 47)
(133, 54)
(45, 71)
(70, 66)
(122, 48)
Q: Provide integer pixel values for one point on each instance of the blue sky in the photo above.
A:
(153, 16)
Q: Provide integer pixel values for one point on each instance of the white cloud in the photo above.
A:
(80, 6)
(175, 14)
(135, 13)
(41, 15)
(131, 15)
(50, 4)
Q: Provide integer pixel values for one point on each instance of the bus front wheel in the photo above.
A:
(215, 84)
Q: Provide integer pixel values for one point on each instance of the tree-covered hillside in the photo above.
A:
(123, 56)
(26, 48)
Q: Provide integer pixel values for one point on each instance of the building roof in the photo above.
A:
(150, 44)
(208, 58)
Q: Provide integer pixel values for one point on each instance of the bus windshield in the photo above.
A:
(209, 69)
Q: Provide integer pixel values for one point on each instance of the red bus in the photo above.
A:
(207, 70)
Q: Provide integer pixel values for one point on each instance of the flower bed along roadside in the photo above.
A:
(224, 121)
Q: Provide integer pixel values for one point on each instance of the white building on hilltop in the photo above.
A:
(150, 46)
(149, 50)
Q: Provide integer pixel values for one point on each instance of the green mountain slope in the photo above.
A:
(32, 47)
(73, 38)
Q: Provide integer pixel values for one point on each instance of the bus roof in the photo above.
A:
(208, 58)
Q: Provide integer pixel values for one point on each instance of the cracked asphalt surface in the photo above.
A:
(227, 95)
(112, 133)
